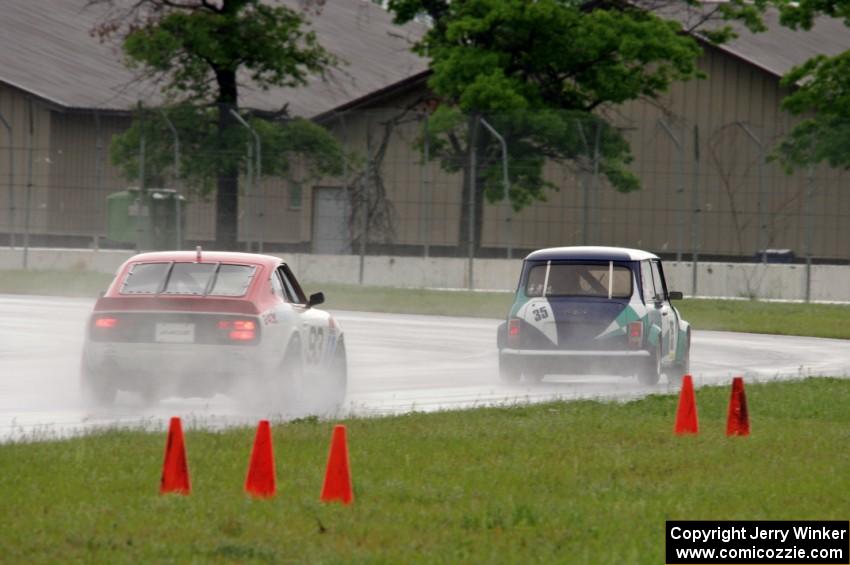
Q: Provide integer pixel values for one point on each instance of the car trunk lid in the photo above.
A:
(579, 322)
(175, 320)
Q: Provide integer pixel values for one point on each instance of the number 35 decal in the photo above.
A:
(540, 313)
(315, 345)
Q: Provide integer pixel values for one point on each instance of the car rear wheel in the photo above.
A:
(683, 367)
(95, 386)
(338, 378)
(151, 395)
(509, 371)
(292, 378)
(533, 376)
(650, 373)
(326, 393)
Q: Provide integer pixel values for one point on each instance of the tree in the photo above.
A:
(206, 152)
(821, 91)
(542, 73)
(198, 50)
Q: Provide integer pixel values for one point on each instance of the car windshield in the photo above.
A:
(602, 280)
(209, 279)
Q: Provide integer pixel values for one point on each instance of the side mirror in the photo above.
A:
(675, 295)
(316, 299)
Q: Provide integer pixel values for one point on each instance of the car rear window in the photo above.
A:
(208, 279)
(232, 280)
(145, 278)
(189, 278)
(579, 279)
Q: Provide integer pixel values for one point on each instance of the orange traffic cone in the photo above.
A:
(175, 472)
(337, 485)
(738, 419)
(260, 482)
(686, 415)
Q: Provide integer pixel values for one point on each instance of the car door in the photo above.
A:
(669, 322)
(653, 312)
(312, 324)
(284, 320)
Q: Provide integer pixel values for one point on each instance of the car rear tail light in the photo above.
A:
(513, 332)
(105, 322)
(239, 330)
(635, 334)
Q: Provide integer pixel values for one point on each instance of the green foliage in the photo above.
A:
(801, 13)
(532, 137)
(198, 52)
(503, 55)
(320, 149)
(206, 151)
(193, 49)
(537, 71)
(820, 91)
(748, 12)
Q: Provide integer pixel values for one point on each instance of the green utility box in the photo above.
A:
(147, 218)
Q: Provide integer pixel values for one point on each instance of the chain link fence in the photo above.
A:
(420, 183)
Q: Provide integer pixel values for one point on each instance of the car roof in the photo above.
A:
(594, 253)
(206, 257)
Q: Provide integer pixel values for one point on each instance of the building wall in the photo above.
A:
(709, 204)
(271, 213)
(425, 198)
(23, 174)
(81, 174)
(723, 185)
(719, 192)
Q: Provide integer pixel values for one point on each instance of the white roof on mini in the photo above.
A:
(598, 253)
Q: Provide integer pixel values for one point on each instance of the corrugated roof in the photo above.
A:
(46, 49)
(778, 49)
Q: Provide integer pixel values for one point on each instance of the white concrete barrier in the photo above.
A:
(829, 283)
(50, 259)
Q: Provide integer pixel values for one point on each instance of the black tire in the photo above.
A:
(533, 376)
(326, 394)
(650, 373)
(682, 368)
(291, 384)
(151, 395)
(674, 379)
(95, 387)
(338, 377)
(509, 370)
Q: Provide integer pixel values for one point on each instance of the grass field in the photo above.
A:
(819, 320)
(60, 283)
(580, 482)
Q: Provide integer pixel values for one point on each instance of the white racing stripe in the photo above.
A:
(538, 313)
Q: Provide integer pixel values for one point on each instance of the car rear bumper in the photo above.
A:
(560, 353)
(567, 362)
(140, 366)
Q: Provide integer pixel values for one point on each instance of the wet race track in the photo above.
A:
(397, 363)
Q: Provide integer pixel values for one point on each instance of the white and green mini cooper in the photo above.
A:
(593, 310)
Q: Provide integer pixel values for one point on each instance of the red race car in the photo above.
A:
(198, 323)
